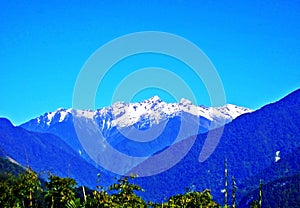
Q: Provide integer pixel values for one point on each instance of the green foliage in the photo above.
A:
(7, 198)
(123, 195)
(19, 191)
(25, 190)
(190, 200)
(100, 199)
(75, 204)
(60, 191)
(254, 204)
(26, 185)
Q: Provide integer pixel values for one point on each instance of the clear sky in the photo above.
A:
(254, 45)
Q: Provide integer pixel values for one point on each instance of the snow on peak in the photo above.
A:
(154, 99)
(57, 116)
(184, 101)
(151, 111)
(233, 111)
(155, 110)
(50, 116)
(63, 114)
(84, 113)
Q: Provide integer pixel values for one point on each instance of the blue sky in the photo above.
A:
(254, 45)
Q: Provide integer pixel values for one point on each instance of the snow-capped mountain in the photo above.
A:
(249, 143)
(144, 114)
(136, 129)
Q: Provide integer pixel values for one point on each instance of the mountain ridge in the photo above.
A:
(127, 127)
(44, 153)
(147, 112)
(250, 143)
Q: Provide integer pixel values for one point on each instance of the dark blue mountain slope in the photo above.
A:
(45, 153)
(249, 143)
(285, 167)
(283, 192)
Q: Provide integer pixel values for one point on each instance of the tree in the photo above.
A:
(27, 183)
(254, 204)
(122, 195)
(60, 191)
(125, 193)
(19, 191)
(7, 197)
(100, 199)
(191, 200)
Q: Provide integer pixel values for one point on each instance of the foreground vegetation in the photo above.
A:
(26, 190)
(22, 188)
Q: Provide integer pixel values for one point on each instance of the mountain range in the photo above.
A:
(135, 129)
(250, 143)
(255, 143)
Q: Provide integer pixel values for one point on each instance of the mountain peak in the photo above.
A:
(145, 113)
(185, 101)
(4, 123)
(154, 99)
